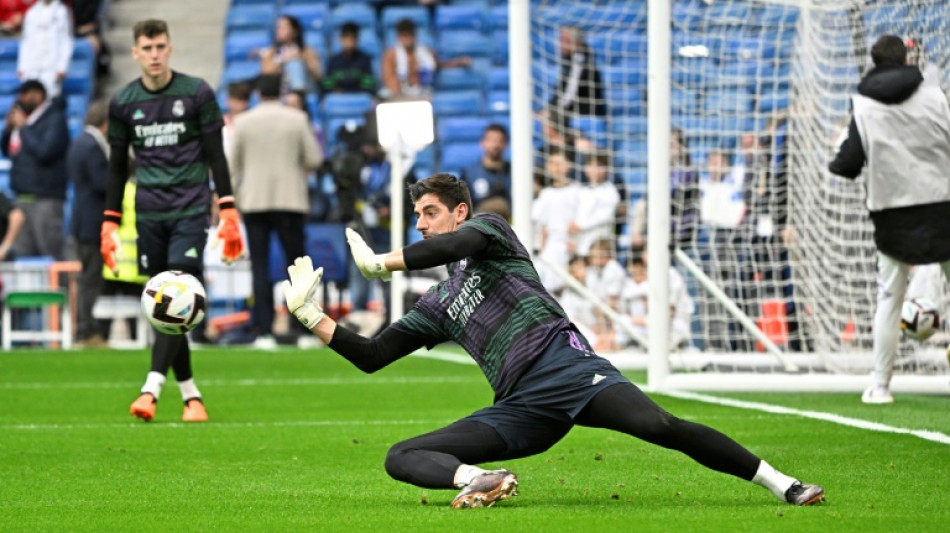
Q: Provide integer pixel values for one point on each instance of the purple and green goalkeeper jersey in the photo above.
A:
(164, 129)
(493, 305)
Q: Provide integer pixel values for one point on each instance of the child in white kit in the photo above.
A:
(597, 205)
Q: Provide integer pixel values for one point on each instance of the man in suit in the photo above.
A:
(88, 165)
(273, 149)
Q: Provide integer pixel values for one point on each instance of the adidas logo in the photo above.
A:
(191, 252)
(138, 115)
(598, 378)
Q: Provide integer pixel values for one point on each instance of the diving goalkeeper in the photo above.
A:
(545, 376)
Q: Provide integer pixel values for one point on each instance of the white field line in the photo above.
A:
(455, 357)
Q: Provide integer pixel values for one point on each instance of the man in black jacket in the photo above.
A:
(580, 91)
(88, 161)
(36, 138)
(901, 130)
(350, 70)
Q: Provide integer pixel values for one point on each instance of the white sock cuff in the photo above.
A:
(188, 389)
(772, 479)
(154, 382)
(465, 474)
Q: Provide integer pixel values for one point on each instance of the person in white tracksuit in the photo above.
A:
(900, 130)
(46, 45)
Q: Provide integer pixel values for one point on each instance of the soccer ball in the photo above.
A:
(174, 302)
(919, 318)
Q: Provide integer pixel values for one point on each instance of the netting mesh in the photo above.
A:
(759, 92)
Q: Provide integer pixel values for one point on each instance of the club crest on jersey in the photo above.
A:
(463, 263)
(178, 108)
(138, 115)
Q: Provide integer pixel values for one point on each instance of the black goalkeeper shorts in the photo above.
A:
(176, 244)
(548, 397)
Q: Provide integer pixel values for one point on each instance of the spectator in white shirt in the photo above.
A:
(598, 205)
(605, 279)
(554, 208)
(46, 45)
(634, 303)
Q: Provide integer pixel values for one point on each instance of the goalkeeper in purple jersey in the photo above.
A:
(545, 376)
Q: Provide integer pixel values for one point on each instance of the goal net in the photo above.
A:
(760, 91)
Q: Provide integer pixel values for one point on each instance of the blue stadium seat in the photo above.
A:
(498, 17)
(727, 102)
(737, 74)
(770, 16)
(593, 128)
(418, 14)
(79, 77)
(772, 101)
(258, 2)
(312, 16)
(240, 71)
(425, 160)
(461, 129)
(691, 71)
(346, 104)
(75, 126)
(465, 43)
(499, 54)
(631, 73)
(630, 152)
(326, 245)
(885, 19)
(684, 100)
(460, 155)
(241, 45)
(615, 47)
(6, 102)
(360, 14)
(748, 48)
(499, 78)
(461, 17)
(629, 127)
(255, 16)
(454, 79)
(8, 81)
(499, 101)
(76, 105)
(455, 103)
(728, 13)
(9, 48)
(625, 101)
(316, 40)
(82, 49)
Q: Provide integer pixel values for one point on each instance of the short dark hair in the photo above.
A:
(240, 90)
(150, 28)
(450, 190)
(97, 114)
(269, 85)
(32, 85)
(599, 157)
(350, 28)
(494, 126)
(889, 50)
(406, 27)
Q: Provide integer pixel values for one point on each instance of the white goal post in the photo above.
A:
(764, 85)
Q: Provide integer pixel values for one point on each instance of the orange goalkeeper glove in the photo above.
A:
(229, 231)
(109, 240)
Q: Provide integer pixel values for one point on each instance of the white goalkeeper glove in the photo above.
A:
(301, 291)
(371, 265)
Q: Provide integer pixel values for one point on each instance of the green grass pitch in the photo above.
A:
(297, 439)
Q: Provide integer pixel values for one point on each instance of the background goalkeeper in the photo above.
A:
(545, 376)
(173, 124)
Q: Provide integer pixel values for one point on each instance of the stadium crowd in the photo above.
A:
(590, 225)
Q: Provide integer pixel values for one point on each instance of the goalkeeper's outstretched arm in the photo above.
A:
(436, 250)
(367, 354)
